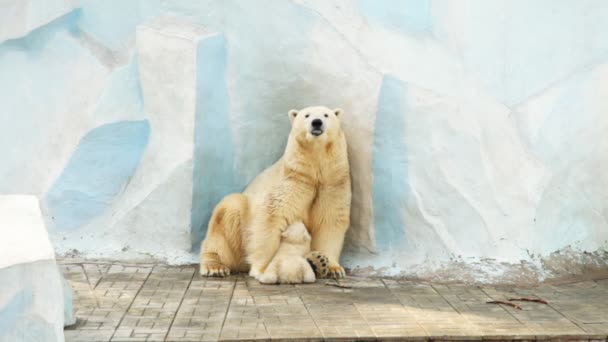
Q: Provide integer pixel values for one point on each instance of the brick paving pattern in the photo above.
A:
(147, 302)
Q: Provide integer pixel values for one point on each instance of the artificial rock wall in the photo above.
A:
(35, 299)
(476, 128)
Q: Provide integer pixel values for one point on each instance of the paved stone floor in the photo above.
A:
(145, 302)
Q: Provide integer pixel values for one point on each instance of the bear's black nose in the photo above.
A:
(317, 123)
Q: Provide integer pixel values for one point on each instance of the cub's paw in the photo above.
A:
(319, 263)
(255, 273)
(214, 269)
(268, 278)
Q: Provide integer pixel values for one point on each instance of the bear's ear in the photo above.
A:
(338, 112)
(292, 115)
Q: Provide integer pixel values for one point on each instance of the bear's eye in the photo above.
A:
(326, 115)
(307, 115)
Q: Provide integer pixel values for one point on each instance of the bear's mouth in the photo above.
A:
(316, 132)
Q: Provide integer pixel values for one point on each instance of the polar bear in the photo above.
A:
(310, 183)
(289, 266)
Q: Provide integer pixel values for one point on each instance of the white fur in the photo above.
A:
(288, 266)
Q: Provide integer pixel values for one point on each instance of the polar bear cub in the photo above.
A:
(289, 266)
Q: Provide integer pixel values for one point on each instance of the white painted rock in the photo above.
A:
(35, 300)
(19, 17)
(149, 212)
(60, 64)
(31, 302)
(24, 236)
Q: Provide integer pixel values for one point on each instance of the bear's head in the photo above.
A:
(296, 233)
(316, 123)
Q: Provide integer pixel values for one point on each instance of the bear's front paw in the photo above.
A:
(336, 271)
(213, 269)
(319, 263)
